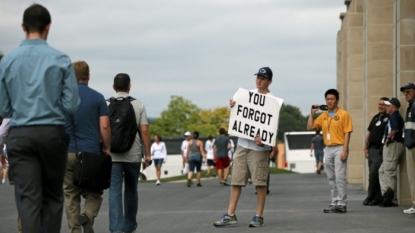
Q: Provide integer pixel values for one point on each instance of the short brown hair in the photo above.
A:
(81, 70)
(36, 18)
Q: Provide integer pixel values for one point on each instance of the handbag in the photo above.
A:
(91, 170)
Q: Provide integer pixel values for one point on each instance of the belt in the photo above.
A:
(392, 141)
(335, 145)
(29, 126)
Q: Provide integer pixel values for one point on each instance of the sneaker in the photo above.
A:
(188, 183)
(157, 182)
(257, 221)
(374, 203)
(341, 209)
(199, 185)
(409, 211)
(226, 220)
(86, 225)
(225, 183)
(366, 201)
(330, 209)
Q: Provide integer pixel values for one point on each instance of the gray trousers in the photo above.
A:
(392, 155)
(336, 174)
(410, 163)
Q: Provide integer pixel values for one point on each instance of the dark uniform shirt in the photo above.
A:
(377, 129)
(396, 122)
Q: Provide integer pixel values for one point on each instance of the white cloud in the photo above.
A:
(202, 50)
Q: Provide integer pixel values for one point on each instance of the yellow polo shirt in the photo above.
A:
(335, 126)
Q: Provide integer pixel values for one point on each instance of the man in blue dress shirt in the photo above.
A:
(37, 89)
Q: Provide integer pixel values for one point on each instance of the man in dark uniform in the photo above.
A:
(373, 152)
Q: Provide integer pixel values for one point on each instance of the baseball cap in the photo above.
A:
(187, 134)
(265, 72)
(408, 86)
(393, 101)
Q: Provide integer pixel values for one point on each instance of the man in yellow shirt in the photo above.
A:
(336, 125)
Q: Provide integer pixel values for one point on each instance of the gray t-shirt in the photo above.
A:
(134, 155)
(221, 144)
(318, 142)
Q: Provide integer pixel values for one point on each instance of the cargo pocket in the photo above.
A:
(262, 173)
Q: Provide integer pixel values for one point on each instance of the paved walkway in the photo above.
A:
(295, 204)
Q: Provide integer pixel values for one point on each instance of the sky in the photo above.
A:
(201, 50)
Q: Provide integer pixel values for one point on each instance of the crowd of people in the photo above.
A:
(60, 115)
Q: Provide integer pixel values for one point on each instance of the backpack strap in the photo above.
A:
(112, 99)
(130, 98)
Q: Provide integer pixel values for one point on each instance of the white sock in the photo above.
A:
(3, 181)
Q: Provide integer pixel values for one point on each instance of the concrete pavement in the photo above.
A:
(295, 204)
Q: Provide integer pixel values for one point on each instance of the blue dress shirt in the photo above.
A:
(37, 85)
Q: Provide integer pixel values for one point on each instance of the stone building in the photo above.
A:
(375, 57)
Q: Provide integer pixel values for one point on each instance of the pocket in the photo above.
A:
(262, 173)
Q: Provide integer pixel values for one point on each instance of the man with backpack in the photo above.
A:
(129, 134)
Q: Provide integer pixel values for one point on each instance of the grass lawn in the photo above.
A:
(272, 170)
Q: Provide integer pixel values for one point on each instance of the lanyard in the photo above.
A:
(329, 121)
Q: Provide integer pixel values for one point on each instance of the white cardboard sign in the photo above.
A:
(255, 114)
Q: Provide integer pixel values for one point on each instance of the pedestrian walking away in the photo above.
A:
(317, 144)
(337, 126)
(210, 157)
(220, 150)
(47, 79)
(195, 157)
(126, 113)
(86, 127)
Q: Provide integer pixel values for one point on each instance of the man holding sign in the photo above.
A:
(257, 130)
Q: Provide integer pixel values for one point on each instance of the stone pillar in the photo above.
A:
(355, 89)
(344, 57)
(339, 58)
(378, 59)
(404, 72)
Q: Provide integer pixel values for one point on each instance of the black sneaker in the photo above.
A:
(366, 201)
(341, 209)
(225, 183)
(330, 209)
(188, 183)
(199, 185)
(374, 203)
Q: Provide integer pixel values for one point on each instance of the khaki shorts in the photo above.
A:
(252, 164)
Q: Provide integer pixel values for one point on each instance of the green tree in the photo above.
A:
(291, 119)
(212, 120)
(179, 117)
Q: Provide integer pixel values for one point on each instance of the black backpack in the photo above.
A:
(123, 124)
